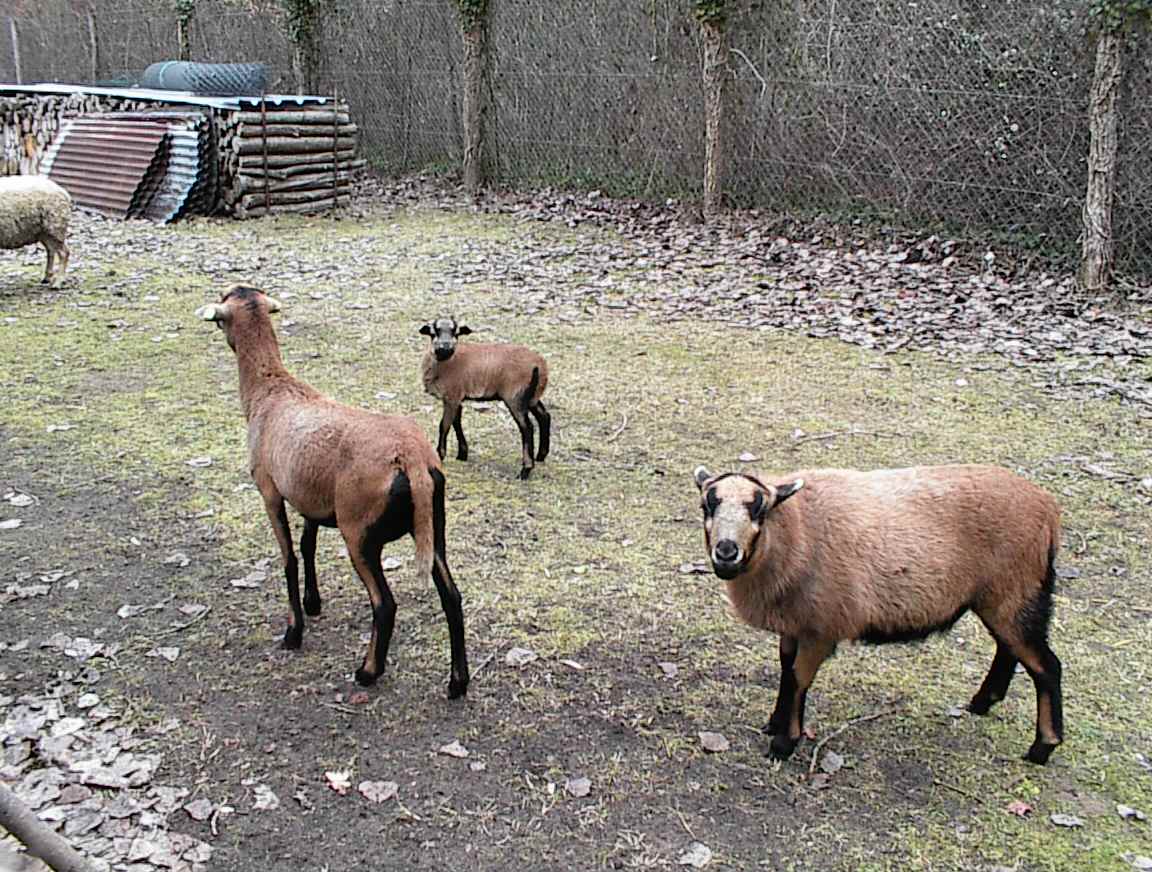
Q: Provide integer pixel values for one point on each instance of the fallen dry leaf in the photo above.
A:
(339, 780)
(697, 856)
(378, 791)
(454, 749)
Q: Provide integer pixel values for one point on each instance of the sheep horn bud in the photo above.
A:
(273, 304)
(210, 312)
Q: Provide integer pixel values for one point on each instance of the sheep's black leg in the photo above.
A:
(1046, 671)
(520, 416)
(782, 713)
(450, 599)
(995, 686)
(274, 506)
(458, 426)
(540, 413)
(308, 552)
(365, 554)
(446, 419)
(810, 653)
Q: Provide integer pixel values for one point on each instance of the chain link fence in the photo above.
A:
(964, 119)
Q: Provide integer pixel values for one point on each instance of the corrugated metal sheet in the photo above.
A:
(185, 98)
(108, 163)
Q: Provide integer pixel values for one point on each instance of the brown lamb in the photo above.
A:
(373, 476)
(456, 372)
(830, 555)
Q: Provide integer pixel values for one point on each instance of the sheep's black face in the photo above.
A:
(444, 332)
(735, 507)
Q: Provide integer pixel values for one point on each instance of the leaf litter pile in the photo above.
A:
(87, 768)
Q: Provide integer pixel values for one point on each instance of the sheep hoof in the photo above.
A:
(525, 472)
(457, 688)
(293, 637)
(462, 454)
(312, 605)
(980, 705)
(540, 458)
(365, 678)
(1039, 752)
(782, 746)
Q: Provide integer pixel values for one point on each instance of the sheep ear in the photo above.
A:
(273, 304)
(425, 329)
(701, 475)
(786, 490)
(212, 312)
(463, 330)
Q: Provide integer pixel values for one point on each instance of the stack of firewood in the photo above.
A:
(261, 159)
(286, 160)
(31, 121)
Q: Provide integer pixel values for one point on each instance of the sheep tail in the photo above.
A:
(424, 492)
(529, 394)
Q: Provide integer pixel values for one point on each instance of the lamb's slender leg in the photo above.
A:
(782, 713)
(810, 653)
(450, 599)
(364, 550)
(446, 419)
(540, 413)
(458, 426)
(520, 416)
(308, 552)
(995, 686)
(274, 506)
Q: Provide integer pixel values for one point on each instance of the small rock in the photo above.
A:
(1066, 820)
(697, 856)
(454, 749)
(578, 787)
(1129, 813)
(520, 656)
(714, 742)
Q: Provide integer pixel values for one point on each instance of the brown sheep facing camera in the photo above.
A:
(456, 372)
(825, 556)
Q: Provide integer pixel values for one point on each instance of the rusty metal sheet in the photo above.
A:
(108, 163)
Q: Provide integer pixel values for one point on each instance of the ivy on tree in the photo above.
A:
(1116, 15)
(711, 11)
(472, 12)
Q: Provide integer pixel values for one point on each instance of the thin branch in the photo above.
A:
(824, 437)
(959, 790)
(619, 429)
(182, 627)
(752, 67)
(847, 725)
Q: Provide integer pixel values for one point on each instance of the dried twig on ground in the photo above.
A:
(842, 728)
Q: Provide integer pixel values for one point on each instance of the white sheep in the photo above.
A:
(35, 209)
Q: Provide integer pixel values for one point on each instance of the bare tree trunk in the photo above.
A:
(1098, 253)
(475, 39)
(715, 74)
(15, 50)
(93, 45)
(184, 36)
(38, 838)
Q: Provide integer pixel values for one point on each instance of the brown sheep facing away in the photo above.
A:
(457, 372)
(373, 476)
(829, 555)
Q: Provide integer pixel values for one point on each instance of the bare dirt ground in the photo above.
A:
(599, 651)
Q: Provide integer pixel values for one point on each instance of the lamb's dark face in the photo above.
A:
(735, 507)
(444, 332)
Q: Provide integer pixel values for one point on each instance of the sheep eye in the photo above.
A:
(756, 506)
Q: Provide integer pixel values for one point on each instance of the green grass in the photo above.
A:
(581, 563)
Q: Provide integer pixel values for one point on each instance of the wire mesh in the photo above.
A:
(966, 119)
